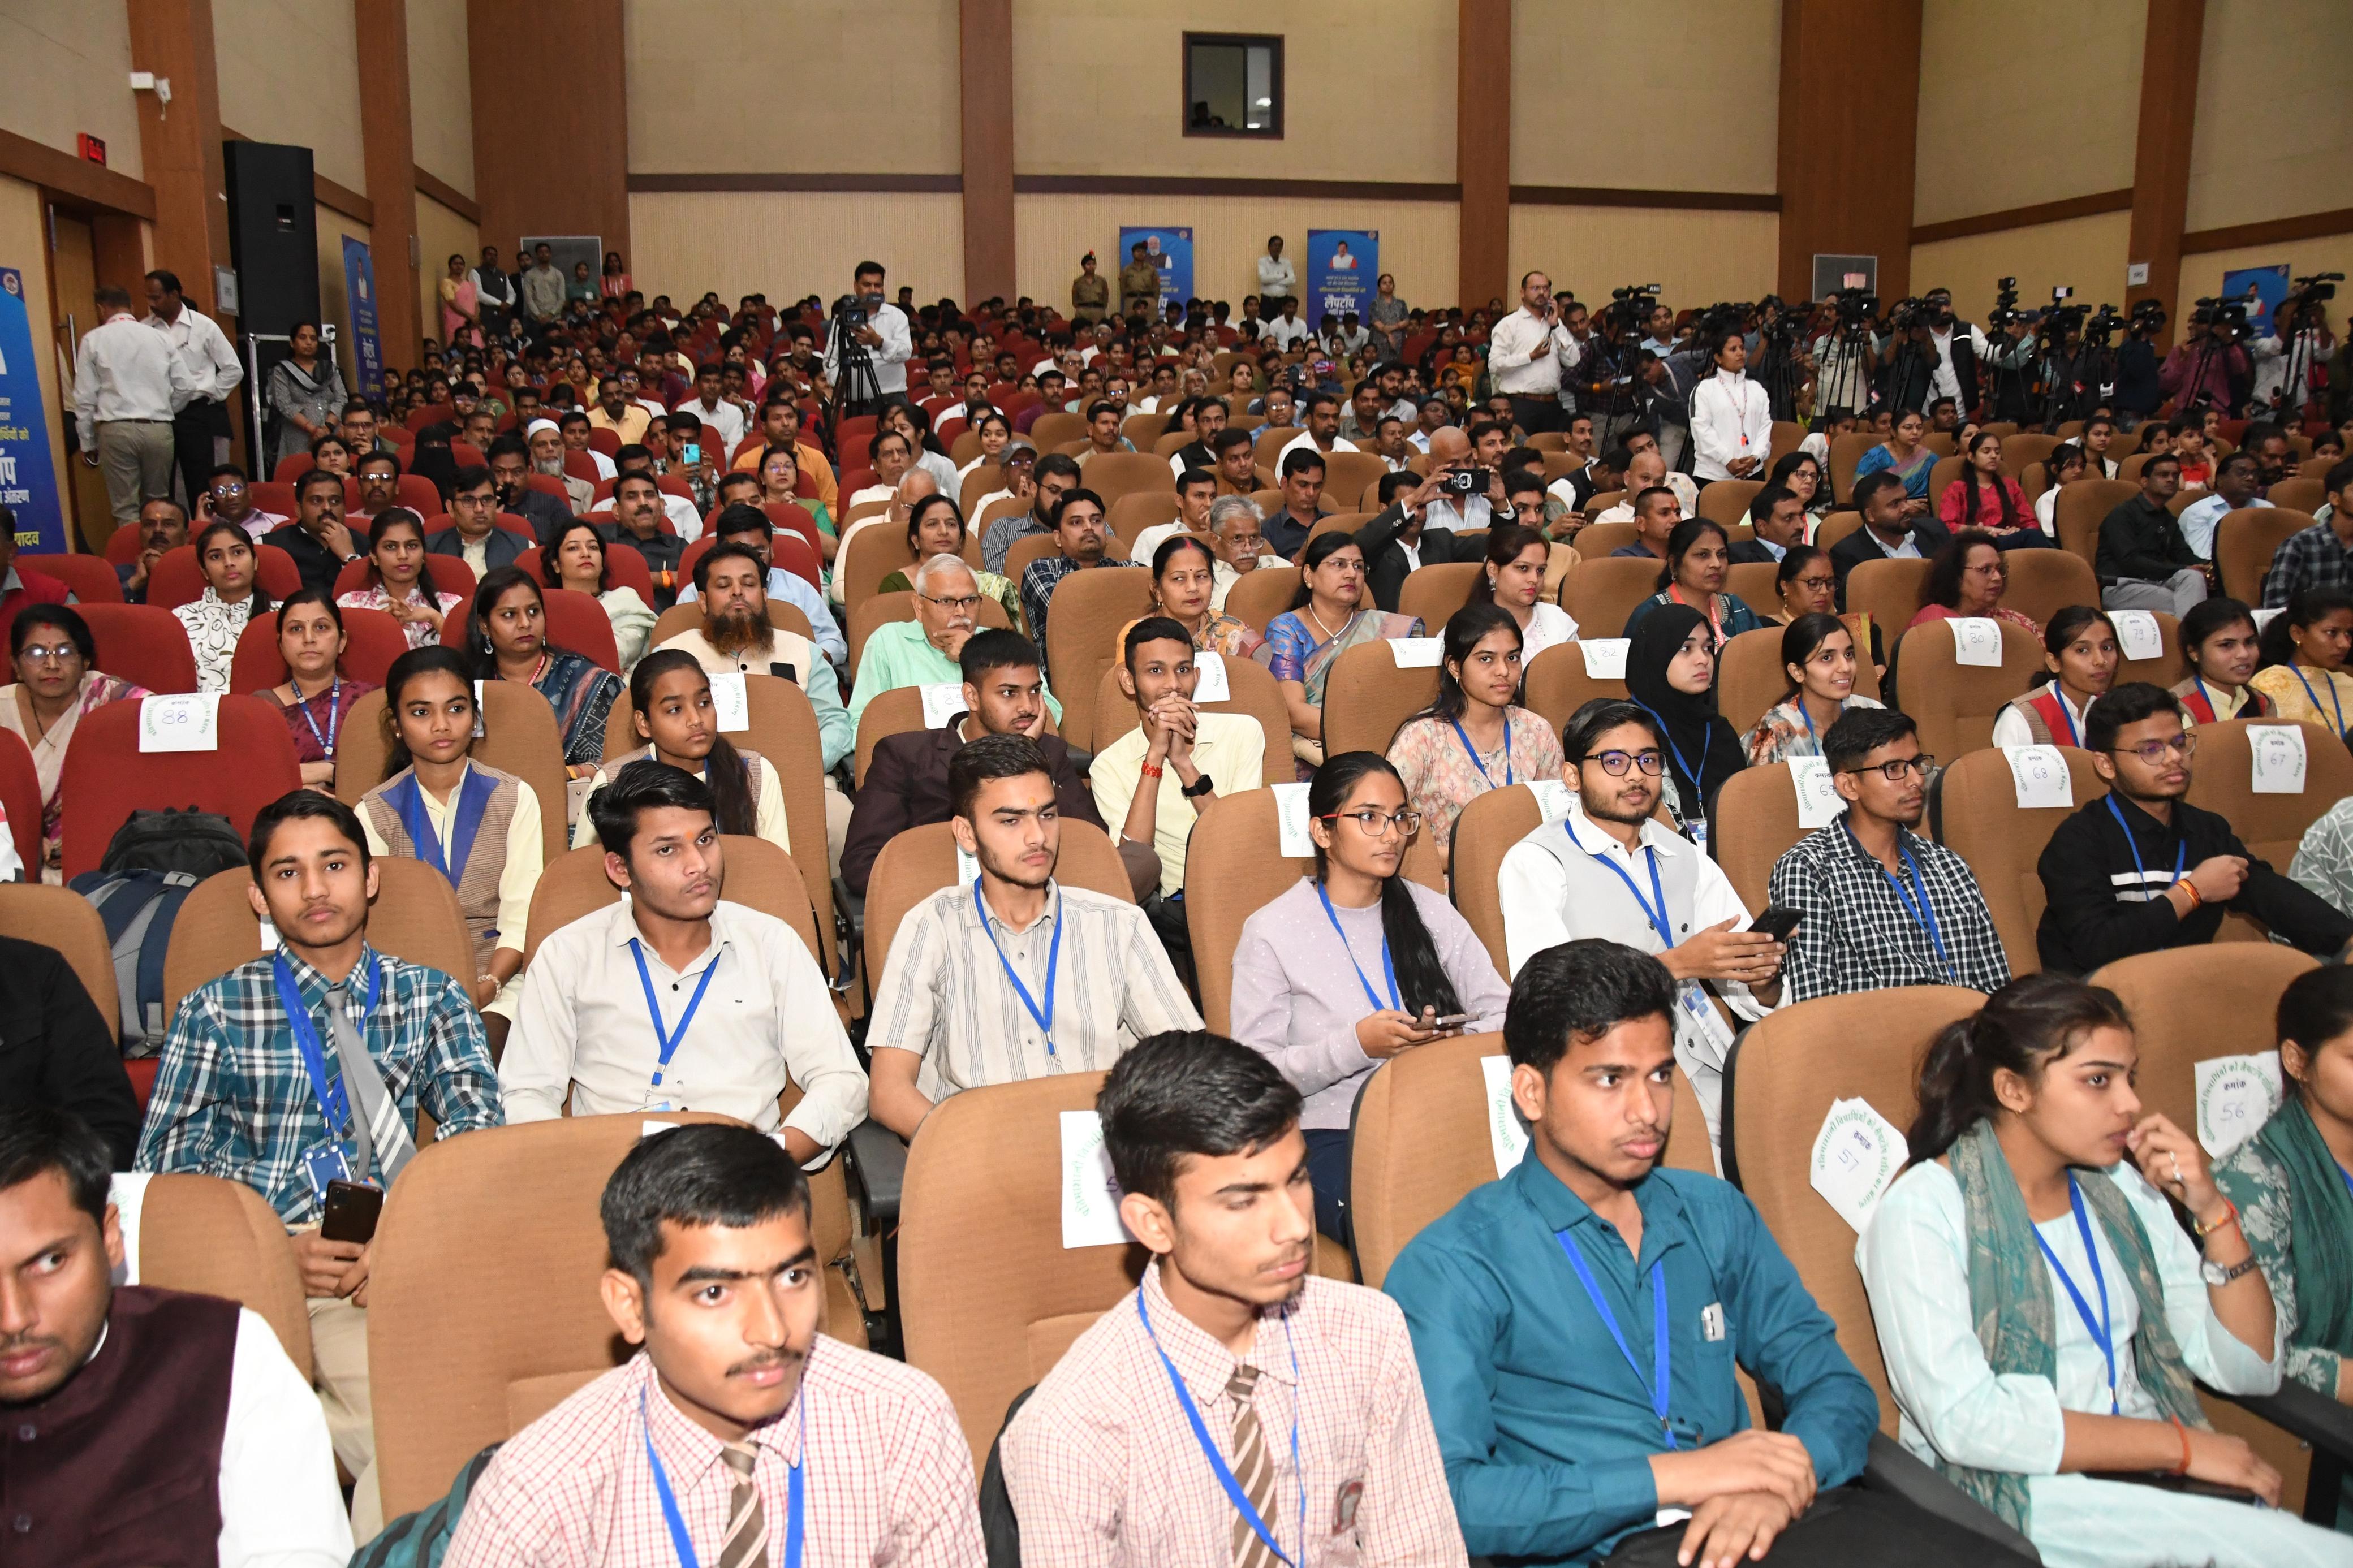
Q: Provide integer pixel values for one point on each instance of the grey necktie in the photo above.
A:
(375, 1116)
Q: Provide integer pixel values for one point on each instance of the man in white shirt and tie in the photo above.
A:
(200, 430)
(1527, 353)
(128, 381)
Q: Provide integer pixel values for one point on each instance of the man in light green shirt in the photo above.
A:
(923, 651)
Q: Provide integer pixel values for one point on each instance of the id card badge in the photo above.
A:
(1703, 1022)
(1697, 828)
(323, 1164)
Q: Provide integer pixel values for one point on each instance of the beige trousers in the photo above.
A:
(135, 456)
(339, 1352)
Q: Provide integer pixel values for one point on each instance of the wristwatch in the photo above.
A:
(2215, 1274)
(1199, 787)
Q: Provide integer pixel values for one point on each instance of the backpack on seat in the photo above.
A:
(198, 843)
(137, 909)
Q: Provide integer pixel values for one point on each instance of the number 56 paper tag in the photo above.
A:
(2236, 1095)
(186, 722)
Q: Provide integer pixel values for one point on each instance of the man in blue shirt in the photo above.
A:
(1577, 1323)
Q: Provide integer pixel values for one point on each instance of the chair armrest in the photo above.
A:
(1891, 1468)
(2305, 1414)
(876, 1160)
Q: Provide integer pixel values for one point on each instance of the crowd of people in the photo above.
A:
(842, 512)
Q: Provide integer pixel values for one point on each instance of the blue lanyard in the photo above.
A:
(2181, 850)
(1389, 970)
(466, 810)
(1475, 762)
(335, 715)
(1661, 1350)
(1044, 1017)
(680, 1540)
(2334, 700)
(1921, 909)
(2102, 1331)
(334, 1102)
(1217, 1466)
(1658, 915)
(669, 1041)
(2214, 708)
(2075, 736)
(1800, 700)
(1699, 780)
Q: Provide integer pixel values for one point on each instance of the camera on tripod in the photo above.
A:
(2148, 316)
(1908, 313)
(2225, 318)
(1627, 309)
(2307, 296)
(2005, 304)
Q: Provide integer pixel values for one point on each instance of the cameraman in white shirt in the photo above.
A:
(889, 344)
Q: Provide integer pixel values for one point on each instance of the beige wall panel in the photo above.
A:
(440, 94)
(2274, 121)
(751, 85)
(786, 244)
(2085, 254)
(1593, 104)
(440, 233)
(2202, 275)
(64, 69)
(1369, 90)
(24, 245)
(1695, 257)
(290, 73)
(334, 298)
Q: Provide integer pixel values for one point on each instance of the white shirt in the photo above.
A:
(213, 368)
(726, 419)
(584, 1030)
(1549, 626)
(1277, 279)
(2200, 518)
(890, 357)
(1947, 381)
(1687, 496)
(2045, 511)
(1730, 419)
(526, 853)
(1512, 356)
(125, 370)
(1339, 444)
(1289, 332)
(605, 470)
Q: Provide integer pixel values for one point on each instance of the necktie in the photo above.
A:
(746, 1544)
(375, 1116)
(1252, 1469)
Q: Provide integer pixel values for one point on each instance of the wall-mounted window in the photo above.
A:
(1233, 85)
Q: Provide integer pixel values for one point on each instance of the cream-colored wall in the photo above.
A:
(2061, 130)
(1369, 91)
(1675, 95)
(440, 92)
(1051, 233)
(818, 86)
(2085, 254)
(334, 301)
(64, 69)
(2201, 274)
(786, 244)
(1696, 257)
(2275, 129)
(24, 245)
(290, 73)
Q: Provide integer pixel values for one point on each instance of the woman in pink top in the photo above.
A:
(1986, 497)
(1966, 580)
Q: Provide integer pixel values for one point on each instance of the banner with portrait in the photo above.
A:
(2260, 289)
(1343, 265)
(1170, 252)
(28, 478)
(367, 344)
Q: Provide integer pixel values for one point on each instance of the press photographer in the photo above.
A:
(2209, 368)
(2292, 358)
(2138, 393)
(867, 346)
(1845, 355)
(2010, 357)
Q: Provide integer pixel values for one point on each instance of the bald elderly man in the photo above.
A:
(1423, 523)
(913, 486)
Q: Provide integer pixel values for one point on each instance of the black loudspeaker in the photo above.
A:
(273, 233)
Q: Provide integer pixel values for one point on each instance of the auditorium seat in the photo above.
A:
(1132, 513)
(1350, 473)
(2245, 542)
(920, 861)
(442, 523)
(92, 578)
(2221, 780)
(143, 644)
(1261, 594)
(1089, 608)
(107, 777)
(446, 574)
(372, 640)
(1555, 684)
(2042, 583)
(2018, 450)
(1368, 695)
(61, 919)
(1432, 593)
(219, 1237)
(1957, 704)
(1352, 523)
(1600, 540)
(2166, 666)
(1052, 430)
(519, 737)
(1975, 810)
(2299, 493)
(876, 610)
(1891, 593)
(1602, 592)
(1113, 475)
(1835, 527)
(1495, 820)
(1754, 584)
(1726, 502)
(1846, 455)
(574, 622)
(1755, 821)
(878, 552)
(2075, 516)
(1255, 693)
(20, 799)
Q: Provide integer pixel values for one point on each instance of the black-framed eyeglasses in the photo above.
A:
(2153, 753)
(1615, 763)
(1901, 768)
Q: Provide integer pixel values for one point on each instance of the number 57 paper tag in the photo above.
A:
(185, 722)
(1856, 1154)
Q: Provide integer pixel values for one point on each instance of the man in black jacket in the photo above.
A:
(510, 462)
(2142, 870)
(54, 1050)
(1886, 534)
(1778, 519)
(478, 538)
(1407, 533)
(2144, 562)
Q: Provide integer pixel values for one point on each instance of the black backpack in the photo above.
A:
(191, 842)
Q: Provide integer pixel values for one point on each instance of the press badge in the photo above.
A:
(323, 1164)
(1711, 1321)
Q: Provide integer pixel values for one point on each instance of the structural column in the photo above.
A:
(1850, 116)
(986, 73)
(2169, 115)
(1482, 151)
(182, 149)
(390, 147)
(551, 98)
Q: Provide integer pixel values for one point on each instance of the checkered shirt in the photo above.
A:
(1857, 935)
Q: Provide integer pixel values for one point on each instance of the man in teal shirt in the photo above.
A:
(925, 651)
(1539, 1304)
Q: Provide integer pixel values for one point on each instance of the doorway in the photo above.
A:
(73, 279)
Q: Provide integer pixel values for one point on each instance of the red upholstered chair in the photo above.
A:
(176, 580)
(624, 567)
(784, 515)
(674, 485)
(272, 496)
(417, 494)
(580, 466)
(789, 550)
(466, 455)
(576, 623)
(292, 467)
(431, 414)
(447, 573)
(91, 577)
(547, 484)
(143, 644)
(123, 546)
(106, 777)
(372, 640)
(20, 797)
(606, 441)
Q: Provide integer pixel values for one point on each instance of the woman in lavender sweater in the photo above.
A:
(1344, 972)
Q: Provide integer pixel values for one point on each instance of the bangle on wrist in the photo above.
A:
(2183, 1468)
(1150, 770)
(2190, 888)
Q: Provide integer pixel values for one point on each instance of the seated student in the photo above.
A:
(923, 651)
(1235, 463)
(1562, 1442)
(150, 1425)
(1055, 477)
(2304, 652)
(1205, 1142)
(1966, 580)
(1882, 905)
(1191, 757)
(245, 1093)
(59, 1054)
(976, 990)
(2080, 652)
(1472, 737)
(1671, 676)
(907, 777)
(1653, 511)
(1345, 970)
(2221, 647)
(163, 527)
(1818, 656)
(2287, 1183)
(55, 658)
(1889, 532)
(2142, 870)
(315, 697)
(1988, 502)
(671, 710)
(1582, 879)
(2144, 563)
(232, 502)
(1777, 517)
(740, 1433)
(233, 595)
(317, 539)
(2235, 484)
(935, 526)
(1186, 588)
(1081, 541)
(1519, 564)
(574, 558)
(749, 526)
(2037, 1186)
(506, 635)
(1326, 618)
(2064, 465)
(396, 579)
(1807, 584)
(1698, 557)
(2320, 556)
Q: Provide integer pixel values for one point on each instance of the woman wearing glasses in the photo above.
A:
(1966, 579)
(55, 658)
(1344, 972)
(1327, 617)
(935, 527)
(1807, 584)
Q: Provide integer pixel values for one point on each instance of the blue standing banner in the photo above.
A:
(2260, 289)
(1168, 249)
(367, 348)
(28, 478)
(1343, 265)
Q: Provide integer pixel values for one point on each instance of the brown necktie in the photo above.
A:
(1252, 1469)
(747, 1526)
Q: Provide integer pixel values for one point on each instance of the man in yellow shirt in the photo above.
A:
(780, 425)
(616, 413)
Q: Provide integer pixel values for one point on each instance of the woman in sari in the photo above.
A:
(1699, 556)
(575, 559)
(1902, 454)
(506, 637)
(1807, 584)
(315, 697)
(1387, 320)
(1324, 621)
(461, 310)
(53, 653)
(396, 580)
(1183, 581)
(213, 621)
(780, 476)
(1671, 674)
(935, 527)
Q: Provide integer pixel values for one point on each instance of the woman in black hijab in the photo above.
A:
(1671, 672)
(433, 459)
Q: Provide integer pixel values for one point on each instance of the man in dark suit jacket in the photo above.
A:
(1886, 533)
(1778, 519)
(474, 503)
(1415, 528)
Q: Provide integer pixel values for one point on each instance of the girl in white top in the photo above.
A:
(1731, 422)
(2043, 1314)
(398, 580)
(2080, 647)
(1514, 583)
(226, 556)
(993, 431)
(671, 711)
(2065, 466)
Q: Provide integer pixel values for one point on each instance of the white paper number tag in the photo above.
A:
(2236, 1095)
(1504, 1130)
(1291, 820)
(269, 931)
(2136, 634)
(967, 866)
(1089, 1192)
(186, 722)
(1210, 682)
(1605, 658)
(731, 704)
(1856, 1154)
(943, 700)
(1977, 642)
(1553, 798)
(477, 710)
(128, 1192)
(1416, 653)
(2041, 776)
(1817, 799)
(2278, 752)
(2263, 617)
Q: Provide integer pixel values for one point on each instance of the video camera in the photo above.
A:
(2005, 305)
(2307, 295)
(1908, 313)
(1628, 307)
(2225, 318)
(1855, 307)
(2148, 316)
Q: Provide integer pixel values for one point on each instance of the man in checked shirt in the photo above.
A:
(1236, 1404)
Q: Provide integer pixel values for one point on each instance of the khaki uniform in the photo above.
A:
(1139, 280)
